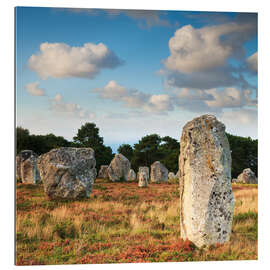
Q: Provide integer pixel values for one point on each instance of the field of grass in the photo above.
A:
(122, 223)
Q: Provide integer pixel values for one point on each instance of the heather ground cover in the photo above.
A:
(122, 223)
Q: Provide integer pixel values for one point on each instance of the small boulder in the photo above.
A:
(68, 172)
(131, 175)
(247, 177)
(27, 164)
(119, 168)
(171, 175)
(103, 172)
(159, 173)
(143, 179)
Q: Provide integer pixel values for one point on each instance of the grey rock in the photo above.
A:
(67, 172)
(206, 197)
(27, 165)
(143, 179)
(103, 172)
(119, 168)
(131, 175)
(18, 167)
(171, 175)
(159, 173)
(144, 169)
(247, 177)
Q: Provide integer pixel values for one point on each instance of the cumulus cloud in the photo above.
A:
(195, 50)
(34, 90)
(70, 109)
(252, 62)
(59, 60)
(242, 116)
(133, 98)
(213, 100)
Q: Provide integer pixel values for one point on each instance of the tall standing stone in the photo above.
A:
(159, 173)
(145, 170)
(103, 172)
(18, 167)
(143, 179)
(68, 172)
(131, 175)
(27, 162)
(206, 198)
(119, 168)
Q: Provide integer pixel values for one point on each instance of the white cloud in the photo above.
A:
(133, 98)
(70, 109)
(59, 60)
(252, 62)
(34, 90)
(213, 100)
(195, 50)
(229, 98)
(159, 103)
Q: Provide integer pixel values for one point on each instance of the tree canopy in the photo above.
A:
(149, 148)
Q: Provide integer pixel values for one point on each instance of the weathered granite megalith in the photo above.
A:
(247, 177)
(119, 168)
(67, 172)
(206, 198)
(131, 175)
(27, 167)
(143, 179)
(18, 167)
(144, 169)
(103, 172)
(159, 173)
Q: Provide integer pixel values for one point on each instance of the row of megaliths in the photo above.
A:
(206, 197)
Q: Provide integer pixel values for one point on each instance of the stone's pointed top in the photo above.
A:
(206, 119)
(119, 168)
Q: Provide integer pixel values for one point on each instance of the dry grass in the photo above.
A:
(122, 223)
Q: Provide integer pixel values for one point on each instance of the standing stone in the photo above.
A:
(247, 177)
(171, 175)
(145, 170)
(67, 172)
(206, 198)
(159, 172)
(28, 167)
(143, 179)
(103, 172)
(119, 168)
(18, 167)
(131, 175)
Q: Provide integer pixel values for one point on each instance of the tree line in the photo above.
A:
(149, 148)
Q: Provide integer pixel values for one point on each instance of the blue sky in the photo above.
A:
(134, 73)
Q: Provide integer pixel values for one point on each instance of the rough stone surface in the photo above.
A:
(206, 198)
(103, 172)
(143, 179)
(131, 175)
(247, 177)
(171, 175)
(234, 180)
(119, 168)
(18, 167)
(143, 169)
(67, 172)
(28, 167)
(159, 173)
